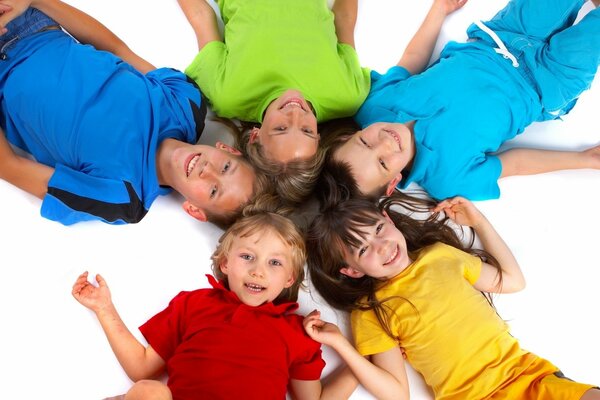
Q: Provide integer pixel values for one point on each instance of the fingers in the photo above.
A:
(100, 280)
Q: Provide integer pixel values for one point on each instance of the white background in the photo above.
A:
(51, 347)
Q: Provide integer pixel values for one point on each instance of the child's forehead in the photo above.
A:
(259, 235)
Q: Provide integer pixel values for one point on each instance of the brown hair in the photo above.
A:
(292, 181)
(338, 227)
(261, 221)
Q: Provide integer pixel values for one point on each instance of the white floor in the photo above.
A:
(51, 347)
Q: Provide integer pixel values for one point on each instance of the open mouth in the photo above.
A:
(394, 136)
(395, 254)
(293, 103)
(191, 163)
(254, 288)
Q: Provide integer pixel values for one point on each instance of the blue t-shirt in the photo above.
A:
(465, 106)
(97, 121)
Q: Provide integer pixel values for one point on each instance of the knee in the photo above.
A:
(149, 390)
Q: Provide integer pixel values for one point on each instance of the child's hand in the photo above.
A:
(321, 331)
(449, 6)
(461, 211)
(11, 9)
(93, 297)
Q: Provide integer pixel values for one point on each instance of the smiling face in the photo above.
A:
(213, 180)
(381, 253)
(259, 267)
(289, 129)
(377, 155)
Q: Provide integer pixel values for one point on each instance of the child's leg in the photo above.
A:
(149, 390)
(568, 63)
(535, 19)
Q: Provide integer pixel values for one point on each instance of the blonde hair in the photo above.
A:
(293, 181)
(264, 221)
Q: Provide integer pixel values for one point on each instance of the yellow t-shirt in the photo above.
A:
(451, 335)
(272, 46)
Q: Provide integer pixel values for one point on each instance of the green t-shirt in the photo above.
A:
(272, 46)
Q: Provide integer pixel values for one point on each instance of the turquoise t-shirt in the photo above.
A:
(272, 46)
(465, 107)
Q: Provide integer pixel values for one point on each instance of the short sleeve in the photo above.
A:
(74, 196)
(470, 264)
(308, 363)
(164, 331)
(184, 97)
(208, 68)
(377, 107)
(475, 178)
(369, 336)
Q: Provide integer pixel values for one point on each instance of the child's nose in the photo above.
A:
(257, 270)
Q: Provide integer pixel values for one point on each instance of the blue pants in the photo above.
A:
(560, 59)
(28, 23)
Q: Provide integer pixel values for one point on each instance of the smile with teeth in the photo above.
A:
(192, 164)
(394, 136)
(392, 256)
(292, 103)
(254, 288)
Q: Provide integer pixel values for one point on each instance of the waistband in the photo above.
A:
(30, 22)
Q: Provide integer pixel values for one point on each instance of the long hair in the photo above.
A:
(292, 181)
(340, 226)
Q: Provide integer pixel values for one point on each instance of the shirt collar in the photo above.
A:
(267, 308)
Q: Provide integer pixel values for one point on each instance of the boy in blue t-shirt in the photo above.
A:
(441, 128)
(109, 133)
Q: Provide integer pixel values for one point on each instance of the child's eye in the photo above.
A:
(383, 164)
(307, 130)
(364, 142)
(281, 128)
(246, 257)
(379, 228)
(226, 167)
(362, 251)
(213, 192)
(275, 262)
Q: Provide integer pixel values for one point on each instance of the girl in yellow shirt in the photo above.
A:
(412, 284)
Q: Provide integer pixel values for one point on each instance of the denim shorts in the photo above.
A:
(28, 23)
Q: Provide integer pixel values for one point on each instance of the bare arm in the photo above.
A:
(338, 385)
(463, 212)
(384, 376)
(139, 362)
(203, 20)
(535, 161)
(418, 51)
(26, 174)
(88, 30)
(345, 12)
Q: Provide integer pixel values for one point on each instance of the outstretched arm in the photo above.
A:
(139, 362)
(535, 161)
(203, 20)
(384, 376)
(463, 212)
(79, 24)
(345, 12)
(338, 385)
(418, 51)
(26, 174)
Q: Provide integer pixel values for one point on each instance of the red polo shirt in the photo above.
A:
(216, 347)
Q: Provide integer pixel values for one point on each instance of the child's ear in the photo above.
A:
(194, 211)
(392, 185)
(290, 282)
(351, 272)
(223, 265)
(254, 135)
(227, 148)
